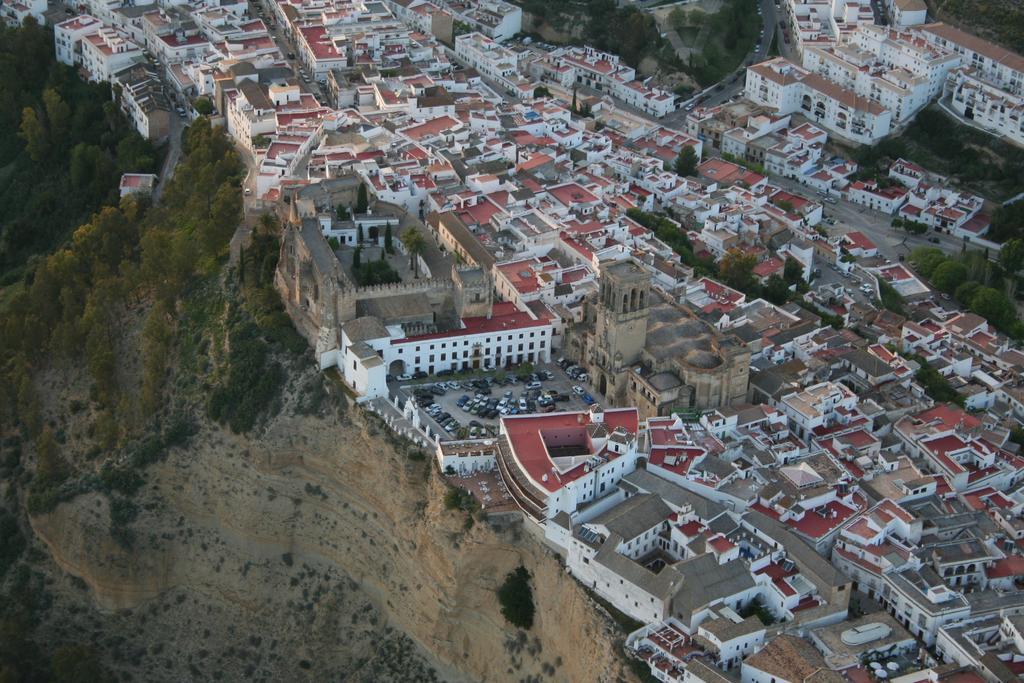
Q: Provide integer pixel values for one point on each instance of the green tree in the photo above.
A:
(776, 290)
(156, 342)
(357, 258)
(362, 200)
(58, 118)
(926, 260)
(541, 91)
(993, 305)
(389, 244)
(203, 106)
(225, 214)
(737, 269)
(965, 292)
(516, 598)
(415, 246)
(793, 272)
(948, 276)
(686, 162)
(32, 131)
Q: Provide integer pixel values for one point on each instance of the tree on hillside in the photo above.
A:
(541, 91)
(737, 269)
(362, 201)
(1008, 222)
(516, 598)
(33, 133)
(415, 245)
(686, 162)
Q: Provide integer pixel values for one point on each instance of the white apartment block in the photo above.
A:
(68, 35)
(790, 89)
(493, 61)
(994, 109)
(107, 51)
(998, 66)
(896, 69)
(15, 12)
(907, 12)
(495, 19)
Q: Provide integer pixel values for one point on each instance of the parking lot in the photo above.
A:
(476, 401)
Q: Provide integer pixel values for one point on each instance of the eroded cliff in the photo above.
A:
(312, 551)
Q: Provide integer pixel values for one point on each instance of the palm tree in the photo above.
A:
(414, 244)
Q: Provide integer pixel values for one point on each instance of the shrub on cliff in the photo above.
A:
(516, 598)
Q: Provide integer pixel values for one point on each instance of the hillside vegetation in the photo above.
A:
(63, 145)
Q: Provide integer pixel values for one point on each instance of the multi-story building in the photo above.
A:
(898, 70)
(606, 73)
(494, 61)
(907, 12)
(505, 337)
(790, 89)
(818, 407)
(106, 52)
(996, 65)
(144, 102)
(68, 35)
(993, 108)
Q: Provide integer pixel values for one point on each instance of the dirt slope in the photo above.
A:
(314, 552)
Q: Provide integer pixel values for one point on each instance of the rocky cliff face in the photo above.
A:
(315, 551)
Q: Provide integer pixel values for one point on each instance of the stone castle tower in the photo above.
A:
(474, 292)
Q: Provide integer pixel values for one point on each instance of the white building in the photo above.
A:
(790, 89)
(68, 35)
(999, 66)
(907, 12)
(817, 406)
(106, 52)
(996, 110)
(895, 69)
(370, 350)
(493, 61)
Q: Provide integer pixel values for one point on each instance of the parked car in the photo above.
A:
(522, 404)
(588, 399)
(533, 385)
(578, 390)
(404, 378)
(419, 374)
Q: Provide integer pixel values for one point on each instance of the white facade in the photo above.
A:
(68, 35)
(790, 89)
(106, 52)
